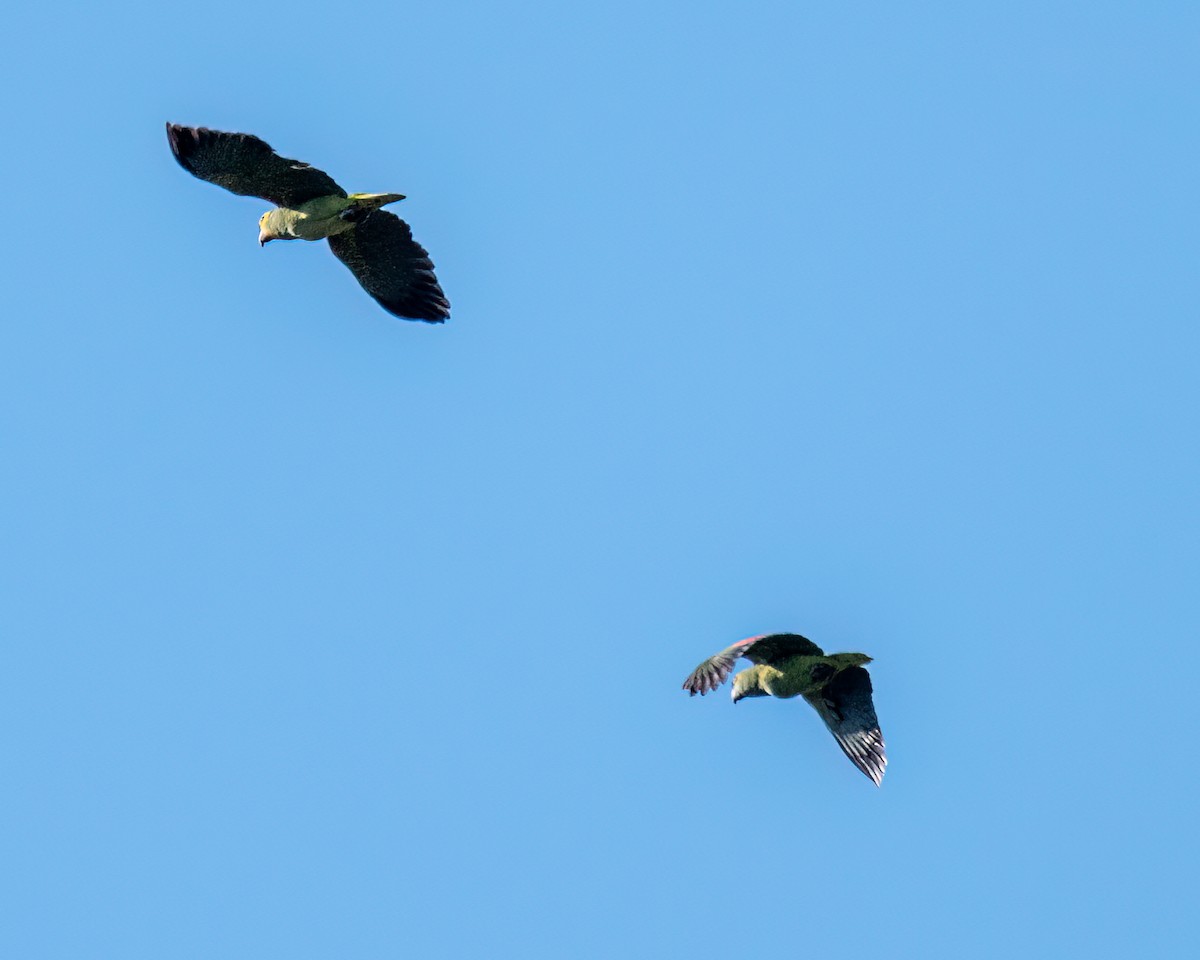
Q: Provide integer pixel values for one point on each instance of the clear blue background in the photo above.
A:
(331, 635)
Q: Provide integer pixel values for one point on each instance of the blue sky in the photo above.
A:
(330, 635)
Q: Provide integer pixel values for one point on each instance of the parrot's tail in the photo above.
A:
(373, 201)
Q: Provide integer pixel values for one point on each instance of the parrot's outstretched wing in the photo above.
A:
(392, 267)
(764, 649)
(246, 165)
(846, 707)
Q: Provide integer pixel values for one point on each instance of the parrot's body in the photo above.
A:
(321, 218)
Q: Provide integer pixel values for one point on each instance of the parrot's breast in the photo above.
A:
(795, 678)
(319, 218)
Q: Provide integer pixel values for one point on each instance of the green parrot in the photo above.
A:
(376, 245)
(787, 665)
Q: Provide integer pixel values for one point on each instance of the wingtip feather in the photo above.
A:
(184, 142)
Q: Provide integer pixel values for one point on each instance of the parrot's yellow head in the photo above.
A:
(265, 233)
(748, 683)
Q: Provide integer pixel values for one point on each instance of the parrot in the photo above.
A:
(375, 244)
(788, 665)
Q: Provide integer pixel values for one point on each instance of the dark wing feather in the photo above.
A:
(779, 646)
(764, 649)
(392, 267)
(246, 165)
(846, 707)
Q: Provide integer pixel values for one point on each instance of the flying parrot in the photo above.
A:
(787, 665)
(376, 245)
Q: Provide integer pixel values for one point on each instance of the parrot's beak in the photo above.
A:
(263, 238)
